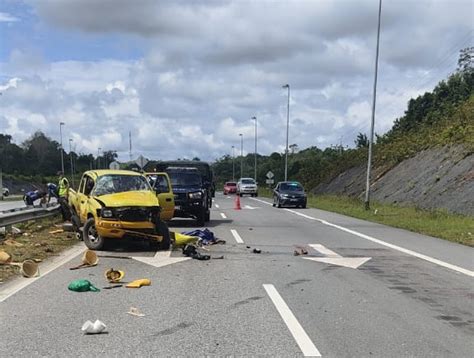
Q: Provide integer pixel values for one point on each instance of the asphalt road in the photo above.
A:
(413, 297)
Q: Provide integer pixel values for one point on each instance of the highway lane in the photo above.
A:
(393, 305)
(14, 204)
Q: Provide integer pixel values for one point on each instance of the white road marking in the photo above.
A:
(392, 246)
(236, 236)
(223, 216)
(216, 205)
(261, 201)
(251, 207)
(161, 258)
(56, 262)
(324, 250)
(302, 339)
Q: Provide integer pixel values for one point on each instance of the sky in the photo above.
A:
(186, 77)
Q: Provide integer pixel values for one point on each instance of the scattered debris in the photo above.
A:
(115, 257)
(205, 237)
(82, 286)
(112, 286)
(56, 231)
(29, 269)
(16, 231)
(67, 227)
(191, 251)
(48, 249)
(114, 276)
(250, 228)
(5, 258)
(257, 251)
(182, 239)
(139, 283)
(300, 251)
(248, 247)
(135, 312)
(218, 257)
(93, 328)
(26, 234)
(11, 242)
(89, 259)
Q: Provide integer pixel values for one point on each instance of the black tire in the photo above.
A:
(256, 194)
(278, 203)
(241, 195)
(303, 206)
(76, 222)
(225, 193)
(201, 217)
(90, 236)
(208, 216)
(273, 204)
(163, 230)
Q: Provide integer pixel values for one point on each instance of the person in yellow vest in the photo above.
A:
(63, 192)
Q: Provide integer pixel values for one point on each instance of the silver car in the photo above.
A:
(247, 186)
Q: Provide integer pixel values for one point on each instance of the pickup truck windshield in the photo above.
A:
(109, 184)
(248, 181)
(185, 179)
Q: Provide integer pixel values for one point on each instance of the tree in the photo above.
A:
(466, 60)
(293, 148)
(361, 141)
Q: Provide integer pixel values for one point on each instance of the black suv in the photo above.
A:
(191, 197)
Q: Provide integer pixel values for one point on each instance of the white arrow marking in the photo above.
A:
(250, 207)
(161, 258)
(336, 259)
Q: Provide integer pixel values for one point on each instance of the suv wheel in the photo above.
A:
(91, 237)
(208, 216)
(201, 217)
(162, 230)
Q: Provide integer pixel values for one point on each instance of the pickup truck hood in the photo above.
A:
(129, 198)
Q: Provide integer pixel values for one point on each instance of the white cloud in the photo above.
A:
(6, 17)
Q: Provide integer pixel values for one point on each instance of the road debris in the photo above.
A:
(93, 328)
(16, 231)
(257, 251)
(300, 251)
(56, 231)
(114, 276)
(11, 242)
(139, 283)
(135, 312)
(205, 237)
(191, 251)
(82, 285)
(89, 259)
(29, 269)
(112, 286)
(5, 258)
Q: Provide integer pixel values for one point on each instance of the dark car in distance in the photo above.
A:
(289, 193)
(230, 187)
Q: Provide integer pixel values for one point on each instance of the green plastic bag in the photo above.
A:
(82, 286)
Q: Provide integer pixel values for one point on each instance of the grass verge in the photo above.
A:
(437, 223)
(34, 242)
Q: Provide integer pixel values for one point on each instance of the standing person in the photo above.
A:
(63, 195)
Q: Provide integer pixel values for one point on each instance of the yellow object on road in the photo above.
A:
(181, 240)
(114, 276)
(139, 283)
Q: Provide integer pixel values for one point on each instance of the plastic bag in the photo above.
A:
(82, 286)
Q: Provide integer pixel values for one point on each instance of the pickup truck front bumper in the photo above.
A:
(116, 229)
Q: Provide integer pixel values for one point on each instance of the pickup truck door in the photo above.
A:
(83, 196)
(162, 186)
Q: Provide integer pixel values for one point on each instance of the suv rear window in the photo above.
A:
(248, 181)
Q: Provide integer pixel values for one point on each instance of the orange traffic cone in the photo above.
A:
(237, 202)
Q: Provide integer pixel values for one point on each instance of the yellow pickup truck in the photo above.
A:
(161, 184)
(117, 204)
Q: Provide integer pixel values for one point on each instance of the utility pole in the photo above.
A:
(369, 159)
(130, 144)
(72, 166)
(233, 164)
(241, 155)
(98, 157)
(61, 143)
(287, 131)
(255, 174)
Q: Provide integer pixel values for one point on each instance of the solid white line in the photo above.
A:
(392, 246)
(324, 250)
(261, 201)
(236, 236)
(56, 262)
(217, 206)
(223, 216)
(302, 339)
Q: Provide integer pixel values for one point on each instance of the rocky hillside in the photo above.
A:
(435, 178)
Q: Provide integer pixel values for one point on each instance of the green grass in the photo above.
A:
(437, 223)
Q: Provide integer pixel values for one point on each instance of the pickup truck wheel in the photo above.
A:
(165, 233)
(91, 237)
(76, 222)
(201, 217)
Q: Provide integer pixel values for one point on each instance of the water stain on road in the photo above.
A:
(248, 300)
(297, 282)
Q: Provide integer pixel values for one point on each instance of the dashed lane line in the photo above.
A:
(223, 216)
(236, 236)
(297, 331)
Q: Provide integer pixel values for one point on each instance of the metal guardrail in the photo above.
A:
(15, 216)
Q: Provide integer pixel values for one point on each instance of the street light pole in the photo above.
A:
(72, 166)
(241, 155)
(287, 131)
(98, 157)
(233, 164)
(61, 143)
(255, 175)
(369, 159)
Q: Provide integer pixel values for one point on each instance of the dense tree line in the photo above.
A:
(39, 155)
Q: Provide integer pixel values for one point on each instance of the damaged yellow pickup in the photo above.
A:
(117, 204)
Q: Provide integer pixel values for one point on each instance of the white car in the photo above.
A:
(247, 186)
(5, 191)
